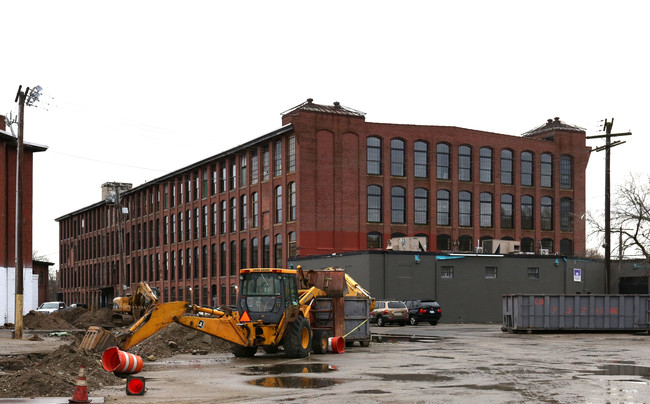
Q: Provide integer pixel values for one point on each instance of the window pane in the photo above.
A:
(507, 218)
(465, 163)
(374, 204)
(373, 155)
(421, 206)
(464, 209)
(397, 158)
(420, 160)
(566, 172)
(546, 170)
(546, 213)
(486, 165)
(486, 209)
(398, 205)
(443, 208)
(527, 169)
(506, 167)
(527, 212)
(442, 161)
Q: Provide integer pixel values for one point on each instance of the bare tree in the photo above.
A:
(630, 216)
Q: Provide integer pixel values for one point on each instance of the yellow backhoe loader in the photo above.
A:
(127, 309)
(272, 312)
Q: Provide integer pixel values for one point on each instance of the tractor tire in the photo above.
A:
(319, 341)
(297, 342)
(243, 351)
(271, 349)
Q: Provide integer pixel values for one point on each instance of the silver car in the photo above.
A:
(50, 307)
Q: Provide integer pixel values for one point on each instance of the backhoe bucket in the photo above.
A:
(97, 339)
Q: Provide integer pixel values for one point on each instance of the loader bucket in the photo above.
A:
(97, 339)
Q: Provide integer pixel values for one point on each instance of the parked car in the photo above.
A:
(423, 310)
(50, 307)
(73, 305)
(389, 312)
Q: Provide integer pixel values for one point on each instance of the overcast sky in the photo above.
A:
(136, 89)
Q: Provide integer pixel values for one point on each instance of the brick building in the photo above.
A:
(327, 181)
(8, 156)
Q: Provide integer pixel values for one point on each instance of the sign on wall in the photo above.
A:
(577, 275)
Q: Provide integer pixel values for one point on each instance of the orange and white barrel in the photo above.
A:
(117, 361)
(336, 344)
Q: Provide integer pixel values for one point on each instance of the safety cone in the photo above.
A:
(80, 388)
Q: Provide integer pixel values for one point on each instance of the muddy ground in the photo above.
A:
(51, 371)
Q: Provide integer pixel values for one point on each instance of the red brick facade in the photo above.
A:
(303, 190)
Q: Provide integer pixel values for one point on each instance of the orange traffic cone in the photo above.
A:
(80, 388)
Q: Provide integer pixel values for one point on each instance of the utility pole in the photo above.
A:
(607, 127)
(27, 97)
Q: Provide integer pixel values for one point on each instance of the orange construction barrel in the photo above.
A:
(336, 344)
(117, 361)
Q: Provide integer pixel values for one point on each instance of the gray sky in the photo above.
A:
(187, 80)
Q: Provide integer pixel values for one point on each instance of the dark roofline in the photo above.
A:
(552, 125)
(285, 129)
(335, 109)
(34, 148)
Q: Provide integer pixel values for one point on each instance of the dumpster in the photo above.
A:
(522, 312)
(353, 325)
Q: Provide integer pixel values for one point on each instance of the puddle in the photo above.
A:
(403, 338)
(290, 368)
(624, 370)
(370, 392)
(415, 377)
(295, 382)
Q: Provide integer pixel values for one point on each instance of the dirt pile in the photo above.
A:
(56, 373)
(176, 339)
(69, 319)
(42, 321)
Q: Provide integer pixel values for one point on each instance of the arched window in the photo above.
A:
(222, 260)
(546, 213)
(464, 209)
(397, 158)
(373, 240)
(443, 242)
(483, 238)
(243, 214)
(527, 244)
(465, 243)
(566, 172)
(292, 202)
(373, 155)
(243, 254)
(421, 206)
(506, 167)
(374, 209)
(527, 218)
(255, 210)
(443, 208)
(420, 159)
(233, 214)
(507, 212)
(293, 252)
(566, 246)
(442, 161)
(255, 247)
(278, 204)
(547, 244)
(464, 163)
(233, 294)
(546, 170)
(486, 210)
(233, 258)
(527, 169)
(398, 205)
(566, 214)
(485, 164)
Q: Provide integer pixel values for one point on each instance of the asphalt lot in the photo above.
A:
(422, 364)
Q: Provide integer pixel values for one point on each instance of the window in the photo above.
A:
(243, 254)
(214, 215)
(566, 246)
(490, 272)
(254, 252)
(566, 214)
(443, 211)
(233, 173)
(547, 244)
(233, 214)
(197, 185)
(265, 163)
(222, 259)
(292, 202)
(442, 161)
(233, 258)
(278, 251)
(213, 187)
(465, 243)
(213, 260)
(204, 262)
(243, 213)
(420, 160)
(485, 164)
(254, 167)
(527, 169)
(506, 167)
(373, 155)
(397, 158)
(277, 158)
(255, 208)
(398, 205)
(546, 213)
(527, 218)
(533, 273)
(527, 244)
(421, 206)
(188, 227)
(243, 169)
(546, 170)
(507, 212)
(373, 240)
(204, 228)
(566, 172)
(443, 242)
(486, 209)
(224, 177)
(181, 264)
(464, 209)
(374, 204)
(291, 154)
(222, 222)
(204, 189)
(172, 265)
(278, 204)
(446, 272)
(464, 163)
(222, 294)
(266, 252)
(293, 251)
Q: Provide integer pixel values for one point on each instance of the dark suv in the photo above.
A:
(423, 310)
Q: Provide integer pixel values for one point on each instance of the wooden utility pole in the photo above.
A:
(18, 323)
(608, 231)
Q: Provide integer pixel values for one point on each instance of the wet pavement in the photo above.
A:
(422, 364)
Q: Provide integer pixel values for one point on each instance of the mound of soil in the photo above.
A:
(55, 375)
(42, 321)
(69, 319)
(176, 339)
